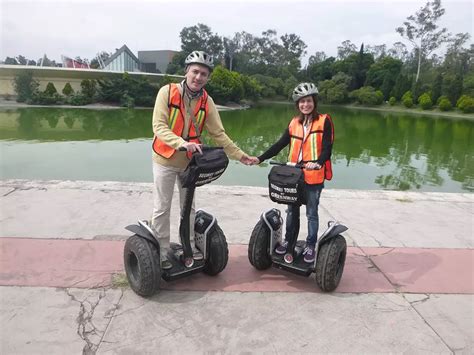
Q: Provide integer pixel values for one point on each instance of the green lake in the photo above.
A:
(372, 150)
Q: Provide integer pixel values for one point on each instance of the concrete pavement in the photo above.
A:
(407, 286)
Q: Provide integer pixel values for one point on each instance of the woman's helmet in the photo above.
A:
(303, 90)
(200, 57)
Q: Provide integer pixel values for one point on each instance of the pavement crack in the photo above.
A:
(413, 306)
(427, 297)
(10, 192)
(112, 312)
(86, 328)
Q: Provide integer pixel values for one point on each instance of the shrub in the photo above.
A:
(379, 97)
(407, 99)
(367, 95)
(127, 101)
(78, 99)
(392, 101)
(25, 86)
(46, 98)
(465, 104)
(425, 101)
(444, 104)
(441, 98)
(408, 102)
(68, 90)
(50, 89)
(88, 88)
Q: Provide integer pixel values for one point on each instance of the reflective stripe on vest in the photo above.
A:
(176, 120)
(310, 145)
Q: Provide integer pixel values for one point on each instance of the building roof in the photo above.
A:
(119, 51)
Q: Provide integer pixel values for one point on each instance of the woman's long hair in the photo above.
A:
(314, 113)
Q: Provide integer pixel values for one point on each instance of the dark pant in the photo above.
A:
(312, 194)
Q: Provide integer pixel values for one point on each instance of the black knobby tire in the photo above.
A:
(258, 253)
(142, 265)
(330, 263)
(218, 252)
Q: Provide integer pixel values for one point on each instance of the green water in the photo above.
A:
(373, 150)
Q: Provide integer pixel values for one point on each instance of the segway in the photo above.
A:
(142, 249)
(285, 187)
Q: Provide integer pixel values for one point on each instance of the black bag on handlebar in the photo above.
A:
(205, 168)
(286, 184)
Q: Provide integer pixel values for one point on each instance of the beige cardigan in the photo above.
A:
(213, 125)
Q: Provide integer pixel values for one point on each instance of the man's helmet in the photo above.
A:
(303, 90)
(200, 57)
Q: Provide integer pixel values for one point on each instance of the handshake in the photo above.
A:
(249, 160)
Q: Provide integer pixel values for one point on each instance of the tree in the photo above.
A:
(345, 49)
(100, 57)
(383, 74)
(378, 51)
(421, 31)
(399, 51)
(200, 37)
(318, 57)
(11, 61)
(231, 46)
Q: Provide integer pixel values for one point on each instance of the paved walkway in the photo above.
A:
(92, 264)
(407, 286)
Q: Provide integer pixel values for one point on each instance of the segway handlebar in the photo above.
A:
(300, 165)
(203, 148)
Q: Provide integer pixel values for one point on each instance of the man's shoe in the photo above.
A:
(165, 263)
(197, 255)
(281, 249)
(309, 254)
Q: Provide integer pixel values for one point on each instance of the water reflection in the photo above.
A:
(384, 150)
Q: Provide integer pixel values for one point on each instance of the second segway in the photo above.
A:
(285, 187)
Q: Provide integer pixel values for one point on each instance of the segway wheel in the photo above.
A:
(218, 252)
(330, 263)
(258, 252)
(142, 266)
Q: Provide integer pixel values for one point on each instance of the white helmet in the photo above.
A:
(200, 57)
(303, 90)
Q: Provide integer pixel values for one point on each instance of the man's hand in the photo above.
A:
(192, 147)
(246, 160)
(312, 166)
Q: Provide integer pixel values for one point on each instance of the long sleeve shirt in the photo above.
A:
(213, 125)
(284, 141)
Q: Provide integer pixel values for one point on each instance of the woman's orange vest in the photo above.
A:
(312, 145)
(176, 120)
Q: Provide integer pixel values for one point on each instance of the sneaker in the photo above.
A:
(309, 254)
(281, 249)
(165, 263)
(197, 255)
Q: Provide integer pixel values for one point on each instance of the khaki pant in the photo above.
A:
(164, 178)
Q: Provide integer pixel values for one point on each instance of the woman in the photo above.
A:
(310, 136)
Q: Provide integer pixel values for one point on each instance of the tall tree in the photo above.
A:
(346, 49)
(200, 37)
(316, 58)
(422, 31)
(398, 51)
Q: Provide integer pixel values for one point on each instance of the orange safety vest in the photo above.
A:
(312, 145)
(176, 121)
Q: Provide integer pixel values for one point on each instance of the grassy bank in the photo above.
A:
(391, 109)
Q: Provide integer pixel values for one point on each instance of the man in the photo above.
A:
(182, 111)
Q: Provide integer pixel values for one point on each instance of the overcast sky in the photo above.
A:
(83, 28)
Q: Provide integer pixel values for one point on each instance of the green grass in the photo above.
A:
(119, 281)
